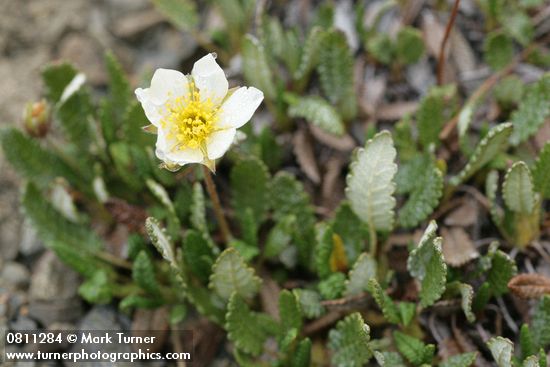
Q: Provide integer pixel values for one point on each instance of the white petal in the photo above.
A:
(167, 84)
(219, 142)
(152, 111)
(210, 79)
(165, 151)
(239, 107)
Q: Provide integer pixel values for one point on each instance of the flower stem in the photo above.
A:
(218, 211)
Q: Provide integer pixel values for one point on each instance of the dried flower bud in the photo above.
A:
(37, 118)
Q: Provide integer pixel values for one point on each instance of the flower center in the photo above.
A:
(190, 121)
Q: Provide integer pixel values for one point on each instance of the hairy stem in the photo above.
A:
(218, 211)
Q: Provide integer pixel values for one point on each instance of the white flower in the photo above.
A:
(196, 117)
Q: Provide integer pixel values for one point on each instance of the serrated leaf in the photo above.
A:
(351, 230)
(182, 13)
(424, 197)
(432, 114)
(318, 112)
(467, 295)
(389, 359)
(97, 289)
(161, 240)
(52, 227)
(323, 250)
(540, 324)
(310, 302)
(481, 297)
(370, 185)
(198, 209)
(302, 354)
(541, 172)
(143, 273)
(162, 195)
(460, 360)
(198, 254)
(230, 274)
(532, 111)
(336, 73)
(363, 270)
(249, 189)
(502, 350)
(279, 237)
(409, 45)
(74, 116)
(349, 342)
(289, 311)
(503, 268)
(517, 189)
(116, 105)
(413, 349)
(426, 264)
(56, 77)
(498, 50)
(384, 302)
(531, 361)
(256, 69)
(310, 53)
(495, 142)
(247, 329)
(332, 286)
(35, 163)
(136, 301)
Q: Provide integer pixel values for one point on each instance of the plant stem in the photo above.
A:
(218, 211)
(372, 240)
(113, 260)
(441, 58)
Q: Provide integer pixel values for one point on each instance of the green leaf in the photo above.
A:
(518, 25)
(491, 188)
(384, 302)
(119, 87)
(424, 198)
(481, 297)
(413, 349)
(389, 359)
(302, 354)
(310, 303)
(381, 47)
(426, 264)
(279, 237)
(198, 209)
(53, 228)
(370, 183)
(336, 73)
(509, 91)
(503, 268)
(310, 53)
(363, 270)
(460, 360)
(256, 68)
(162, 195)
(289, 311)
(495, 142)
(135, 301)
(531, 361)
(230, 274)
(143, 273)
(498, 50)
(318, 112)
(526, 342)
(35, 163)
(540, 324)
(248, 330)
(161, 240)
(198, 254)
(517, 189)
(288, 197)
(323, 250)
(181, 13)
(75, 117)
(351, 230)
(332, 286)
(409, 45)
(532, 111)
(541, 172)
(349, 342)
(56, 77)
(432, 114)
(502, 350)
(466, 293)
(249, 189)
(97, 289)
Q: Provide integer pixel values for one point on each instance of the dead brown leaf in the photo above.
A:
(529, 286)
(333, 187)
(458, 248)
(131, 216)
(464, 215)
(303, 149)
(341, 143)
(395, 111)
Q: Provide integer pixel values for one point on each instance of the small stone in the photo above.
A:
(85, 54)
(14, 276)
(30, 243)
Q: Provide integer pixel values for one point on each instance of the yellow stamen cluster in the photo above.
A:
(190, 121)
